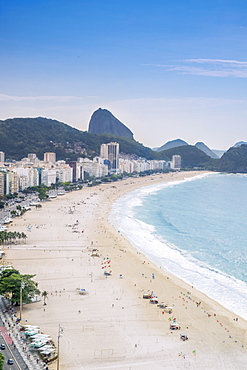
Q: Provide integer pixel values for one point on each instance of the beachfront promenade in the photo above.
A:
(16, 341)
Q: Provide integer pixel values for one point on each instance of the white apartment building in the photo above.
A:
(176, 162)
(140, 165)
(100, 169)
(126, 166)
(27, 177)
(8, 182)
(2, 183)
(89, 168)
(48, 176)
(2, 157)
(64, 173)
(32, 158)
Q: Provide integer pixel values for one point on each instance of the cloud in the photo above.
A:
(208, 67)
(217, 61)
(4, 97)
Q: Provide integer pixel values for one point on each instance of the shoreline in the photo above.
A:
(112, 326)
(121, 218)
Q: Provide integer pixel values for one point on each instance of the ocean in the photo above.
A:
(194, 229)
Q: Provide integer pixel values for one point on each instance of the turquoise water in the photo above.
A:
(195, 229)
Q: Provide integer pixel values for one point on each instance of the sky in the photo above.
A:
(166, 69)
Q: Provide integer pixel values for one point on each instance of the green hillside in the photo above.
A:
(20, 136)
(191, 156)
(234, 160)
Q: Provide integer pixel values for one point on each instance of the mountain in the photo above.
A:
(204, 148)
(239, 144)
(20, 136)
(234, 160)
(103, 122)
(191, 157)
(171, 144)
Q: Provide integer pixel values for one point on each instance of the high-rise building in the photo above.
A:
(8, 182)
(50, 157)
(2, 157)
(103, 151)
(110, 152)
(2, 183)
(176, 162)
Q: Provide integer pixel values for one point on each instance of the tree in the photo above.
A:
(9, 236)
(1, 361)
(10, 285)
(42, 191)
(23, 235)
(45, 296)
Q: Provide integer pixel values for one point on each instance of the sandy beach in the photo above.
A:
(112, 326)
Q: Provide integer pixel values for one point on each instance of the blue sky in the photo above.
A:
(166, 69)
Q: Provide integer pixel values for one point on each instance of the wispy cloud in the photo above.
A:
(208, 67)
(217, 61)
(61, 99)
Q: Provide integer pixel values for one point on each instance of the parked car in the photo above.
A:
(2, 346)
(10, 361)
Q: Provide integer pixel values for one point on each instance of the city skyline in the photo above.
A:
(166, 70)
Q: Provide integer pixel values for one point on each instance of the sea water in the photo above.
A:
(194, 229)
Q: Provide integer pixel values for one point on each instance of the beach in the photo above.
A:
(70, 245)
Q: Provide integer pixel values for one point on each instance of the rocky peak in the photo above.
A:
(104, 122)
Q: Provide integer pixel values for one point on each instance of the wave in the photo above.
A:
(223, 288)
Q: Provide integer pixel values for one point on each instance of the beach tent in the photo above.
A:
(29, 327)
(154, 300)
(31, 332)
(147, 295)
(47, 352)
(174, 326)
(46, 348)
(39, 343)
(107, 273)
(40, 337)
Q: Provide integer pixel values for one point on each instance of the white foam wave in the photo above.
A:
(223, 288)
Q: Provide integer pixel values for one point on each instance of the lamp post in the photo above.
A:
(60, 333)
(21, 289)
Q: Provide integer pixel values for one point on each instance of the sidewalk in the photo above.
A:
(26, 357)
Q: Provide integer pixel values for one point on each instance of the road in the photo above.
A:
(10, 351)
(17, 347)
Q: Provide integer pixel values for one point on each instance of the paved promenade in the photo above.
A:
(15, 340)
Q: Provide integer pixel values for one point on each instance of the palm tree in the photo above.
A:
(23, 235)
(45, 296)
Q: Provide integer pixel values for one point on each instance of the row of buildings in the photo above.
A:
(31, 171)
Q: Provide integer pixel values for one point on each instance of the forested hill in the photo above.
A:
(234, 160)
(191, 156)
(20, 136)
